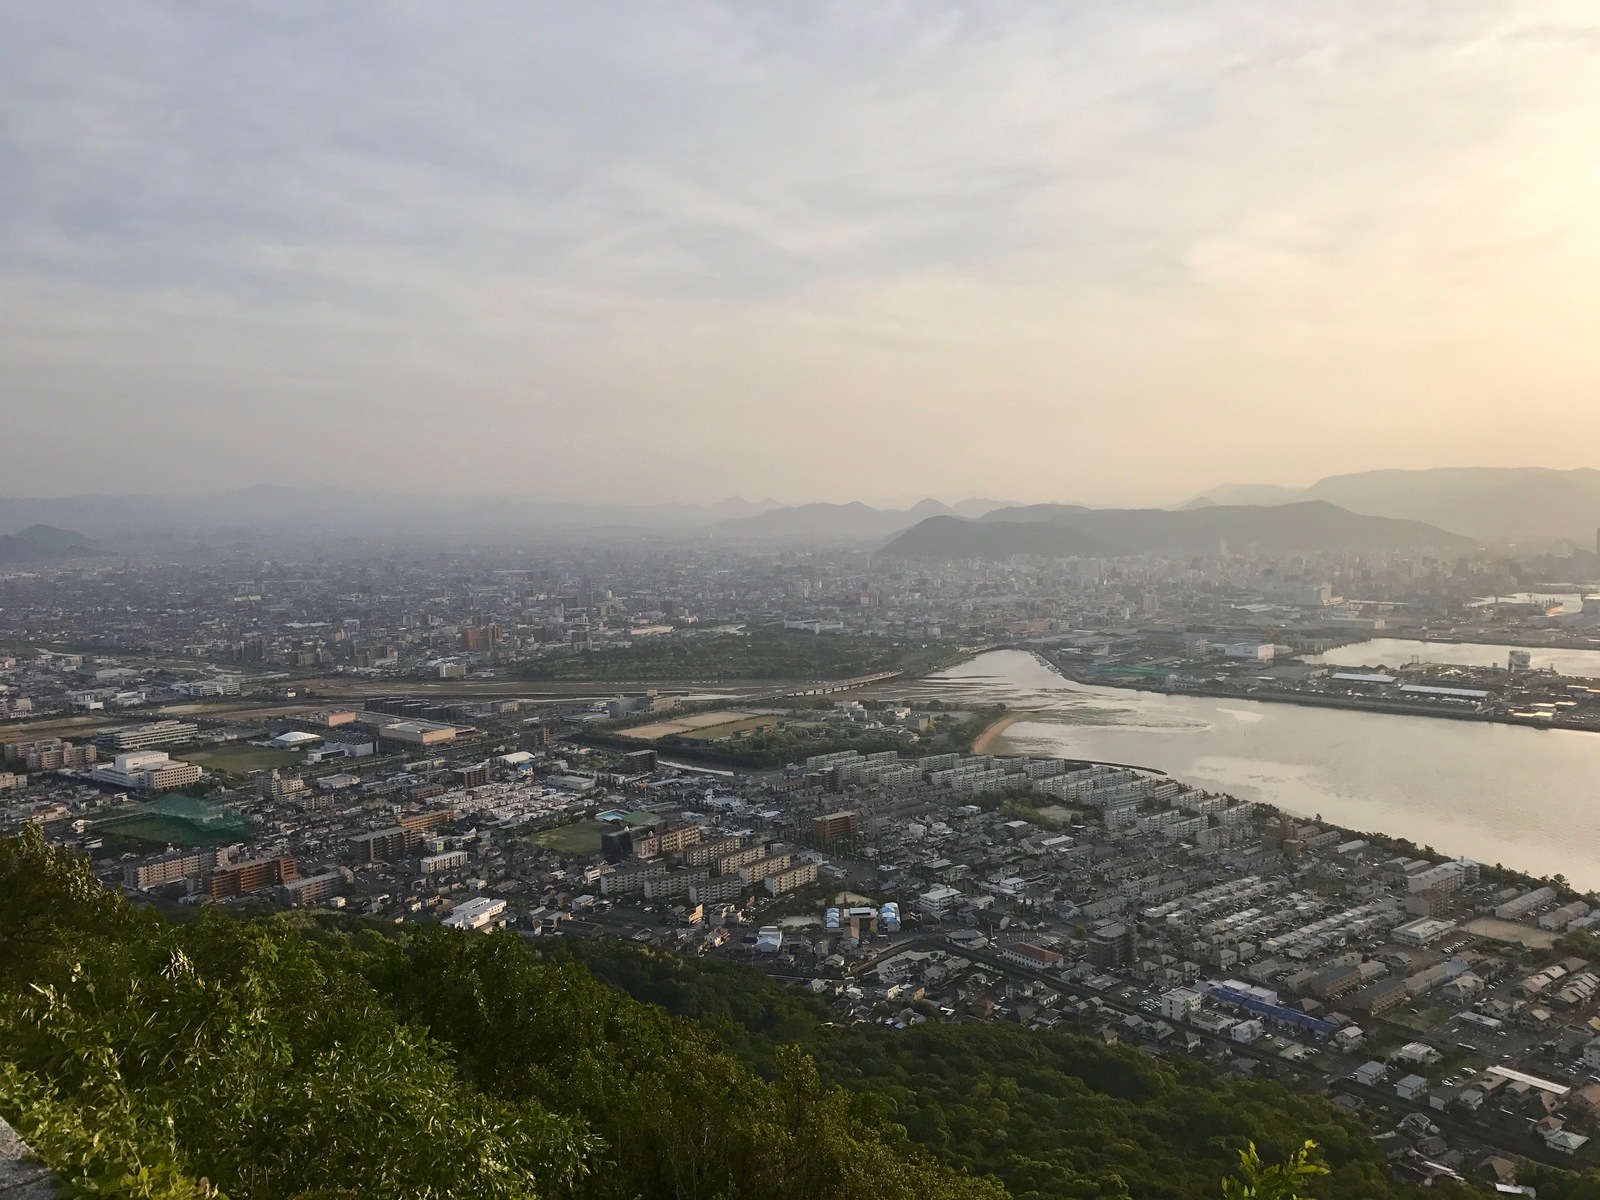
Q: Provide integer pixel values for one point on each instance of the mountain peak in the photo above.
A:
(1064, 531)
(45, 543)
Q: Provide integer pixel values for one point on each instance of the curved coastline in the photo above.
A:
(1487, 790)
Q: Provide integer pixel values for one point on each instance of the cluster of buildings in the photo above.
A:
(942, 887)
(1102, 899)
(896, 884)
(658, 864)
(47, 683)
(215, 872)
(251, 622)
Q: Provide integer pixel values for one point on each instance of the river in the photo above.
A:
(1497, 793)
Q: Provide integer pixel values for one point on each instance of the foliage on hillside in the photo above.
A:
(1552, 1183)
(762, 653)
(260, 1061)
(1052, 1115)
(282, 1058)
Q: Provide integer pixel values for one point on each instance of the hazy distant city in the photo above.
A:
(873, 751)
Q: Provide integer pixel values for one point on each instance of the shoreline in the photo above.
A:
(1475, 639)
(1587, 888)
(1344, 703)
(981, 743)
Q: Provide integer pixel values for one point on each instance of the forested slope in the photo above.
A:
(1050, 1114)
(286, 1058)
(144, 1058)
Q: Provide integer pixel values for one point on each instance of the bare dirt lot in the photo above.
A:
(688, 723)
(1510, 931)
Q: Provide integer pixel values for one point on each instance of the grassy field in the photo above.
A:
(72, 728)
(578, 839)
(1422, 1017)
(242, 758)
(744, 725)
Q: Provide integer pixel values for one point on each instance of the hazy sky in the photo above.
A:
(1112, 252)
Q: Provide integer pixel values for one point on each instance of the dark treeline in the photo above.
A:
(1050, 1114)
(314, 1059)
(762, 652)
(261, 1060)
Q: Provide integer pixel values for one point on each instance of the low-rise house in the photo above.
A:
(1411, 1087)
(1370, 1074)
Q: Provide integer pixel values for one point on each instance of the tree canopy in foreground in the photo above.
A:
(292, 1059)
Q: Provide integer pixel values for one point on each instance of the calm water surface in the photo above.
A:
(1497, 793)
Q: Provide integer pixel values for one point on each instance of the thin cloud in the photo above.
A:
(1107, 250)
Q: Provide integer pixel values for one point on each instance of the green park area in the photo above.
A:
(240, 758)
(1134, 671)
(580, 838)
(1423, 1018)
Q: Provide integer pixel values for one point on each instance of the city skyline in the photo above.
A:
(1110, 254)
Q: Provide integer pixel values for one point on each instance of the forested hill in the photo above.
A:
(44, 543)
(1065, 530)
(260, 1061)
(1050, 1114)
(284, 1059)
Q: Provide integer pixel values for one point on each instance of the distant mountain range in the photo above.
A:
(848, 522)
(45, 543)
(1065, 530)
(1526, 505)
(1533, 507)
(273, 509)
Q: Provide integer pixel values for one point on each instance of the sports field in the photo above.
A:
(176, 820)
(240, 758)
(577, 839)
